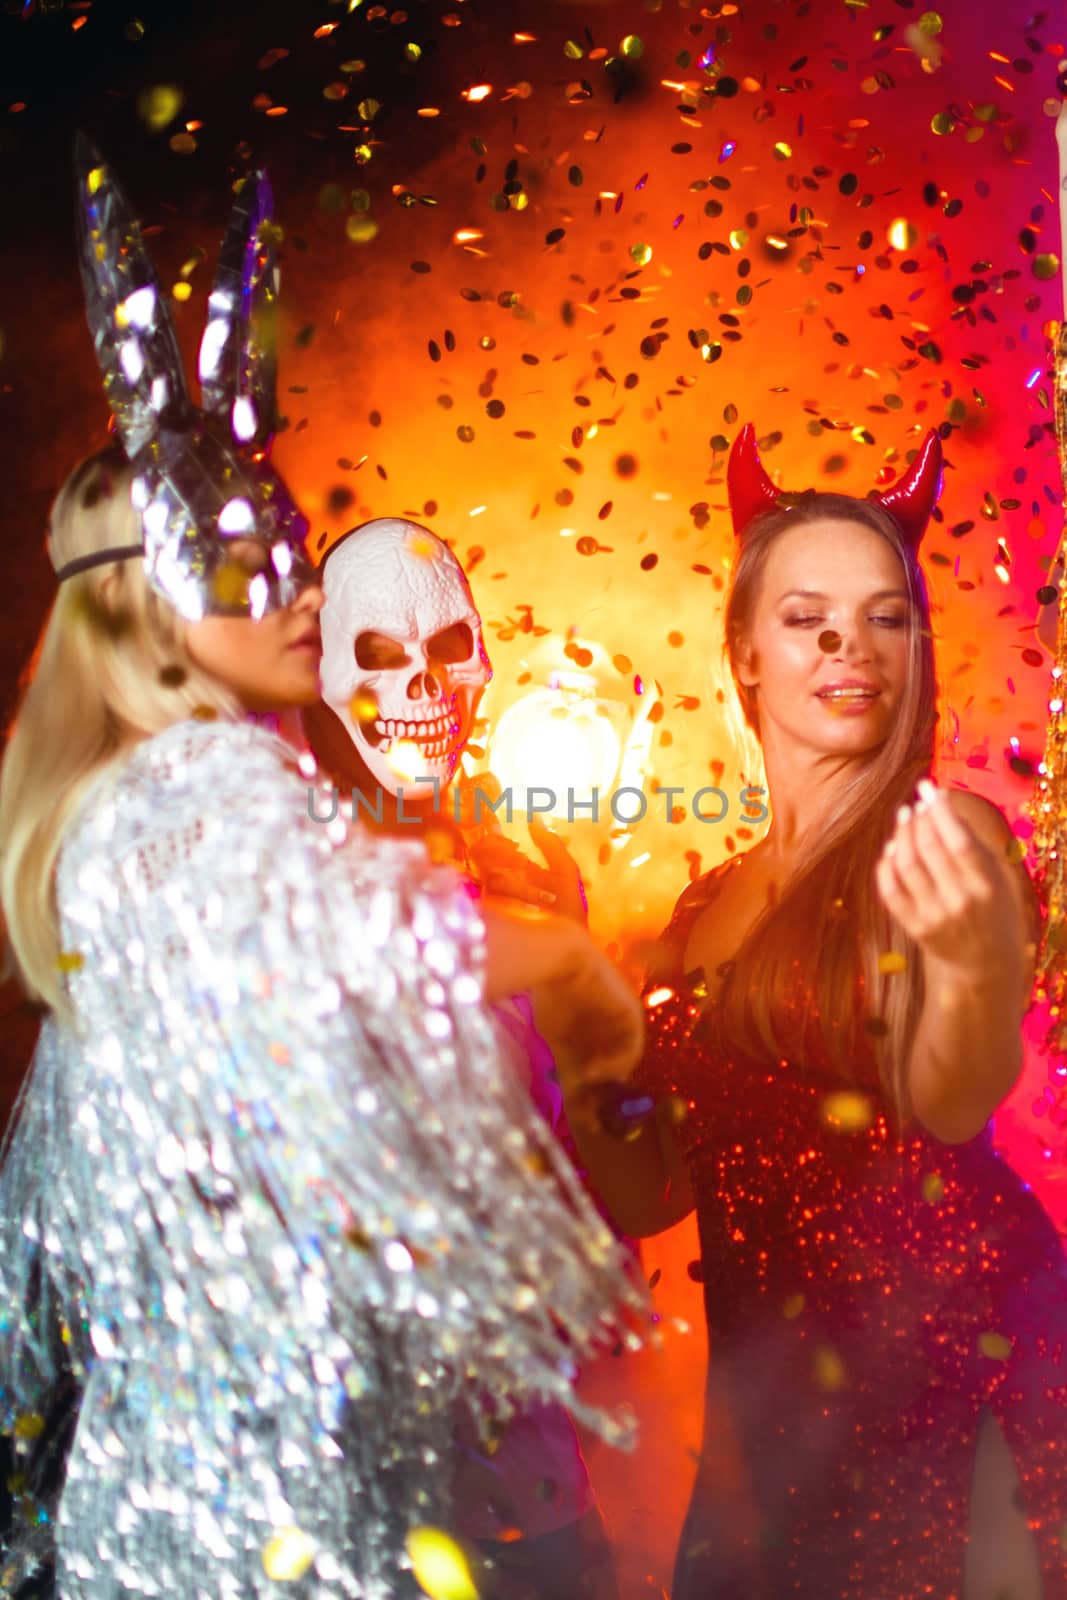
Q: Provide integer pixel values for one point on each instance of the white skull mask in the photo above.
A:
(403, 657)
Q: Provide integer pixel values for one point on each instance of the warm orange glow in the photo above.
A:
(480, 91)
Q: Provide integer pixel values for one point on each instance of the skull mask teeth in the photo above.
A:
(403, 659)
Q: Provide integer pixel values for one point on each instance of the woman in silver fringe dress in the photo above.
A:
(271, 1205)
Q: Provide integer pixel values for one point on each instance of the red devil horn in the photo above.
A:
(750, 490)
(912, 499)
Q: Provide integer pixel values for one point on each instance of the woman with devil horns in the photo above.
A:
(834, 1017)
(271, 1207)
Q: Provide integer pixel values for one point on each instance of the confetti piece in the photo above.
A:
(995, 1346)
(288, 1555)
(361, 229)
(891, 961)
(902, 234)
(158, 105)
(441, 1569)
(933, 1188)
(70, 961)
(847, 1111)
(829, 1369)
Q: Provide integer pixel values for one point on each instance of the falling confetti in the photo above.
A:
(441, 1569)
(288, 1555)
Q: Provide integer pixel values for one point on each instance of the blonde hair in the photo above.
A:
(826, 991)
(110, 669)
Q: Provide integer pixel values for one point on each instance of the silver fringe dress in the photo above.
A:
(274, 1202)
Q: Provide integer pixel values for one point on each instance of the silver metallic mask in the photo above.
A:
(203, 477)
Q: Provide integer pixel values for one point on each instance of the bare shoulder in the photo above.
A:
(700, 891)
(987, 819)
(993, 829)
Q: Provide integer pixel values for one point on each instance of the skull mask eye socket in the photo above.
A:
(376, 650)
(451, 645)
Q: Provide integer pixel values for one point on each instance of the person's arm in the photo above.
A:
(953, 878)
(594, 1025)
(583, 1007)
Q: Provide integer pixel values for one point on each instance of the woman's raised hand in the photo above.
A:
(950, 891)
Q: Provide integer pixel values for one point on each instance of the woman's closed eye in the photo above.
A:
(885, 619)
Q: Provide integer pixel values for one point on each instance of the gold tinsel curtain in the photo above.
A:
(1047, 808)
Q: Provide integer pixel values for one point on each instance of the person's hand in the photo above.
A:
(583, 1008)
(950, 892)
(504, 870)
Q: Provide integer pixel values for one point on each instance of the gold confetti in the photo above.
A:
(933, 1188)
(440, 1567)
(902, 234)
(632, 47)
(793, 1306)
(847, 1110)
(1045, 266)
(230, 584)
(892, 961)
(29, 1426)
(158, 105)
(69, 961)
(997, 1346)
(829, 1369)
(641, 253)
(360, 228)
(182, 291)
(288, 1555)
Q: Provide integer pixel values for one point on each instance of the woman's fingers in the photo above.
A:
(564, 873)
(941, 881)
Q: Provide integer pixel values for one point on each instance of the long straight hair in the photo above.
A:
(809, 976)
(110, 668)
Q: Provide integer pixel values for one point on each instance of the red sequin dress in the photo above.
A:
(867, 1295)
